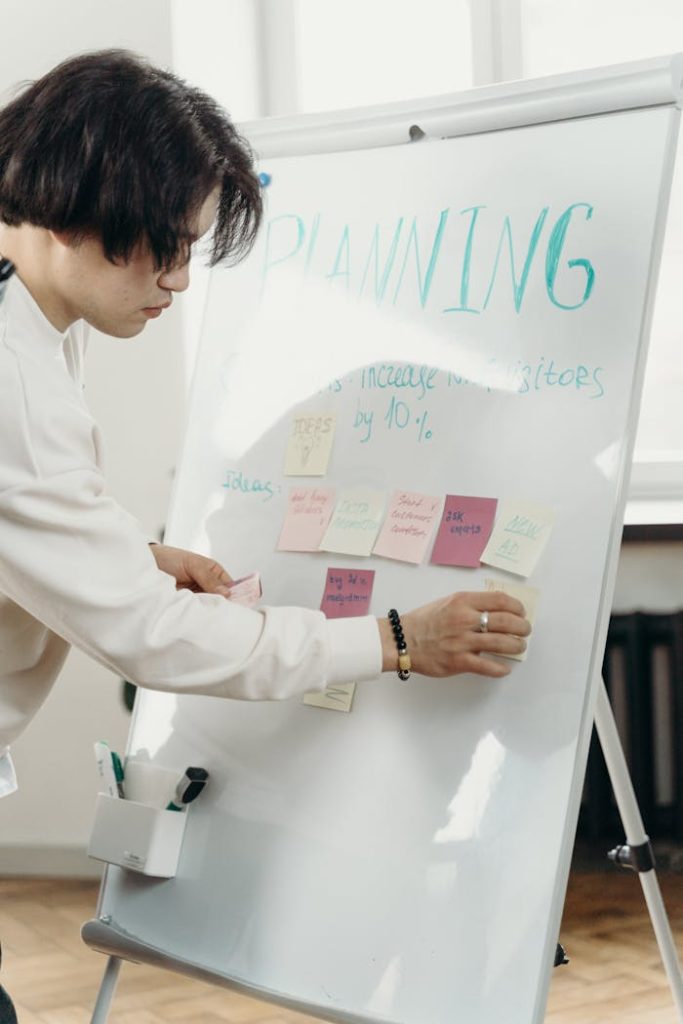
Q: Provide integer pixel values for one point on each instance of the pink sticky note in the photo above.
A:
(247, 590)
(408, 526)
(347, 592)
(465, 528)
(308, 513)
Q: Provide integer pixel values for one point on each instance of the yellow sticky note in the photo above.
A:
(520, 533)
(355, 521)
(334, 698)
(310, 444)
(527, 595)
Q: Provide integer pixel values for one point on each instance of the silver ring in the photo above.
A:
(483, 622)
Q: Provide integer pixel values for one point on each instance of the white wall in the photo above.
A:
(216, 47)
(650, 578)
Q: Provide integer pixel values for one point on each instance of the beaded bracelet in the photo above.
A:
(404, 666)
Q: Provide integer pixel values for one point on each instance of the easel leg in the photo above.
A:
(106, 992)
(636, 838)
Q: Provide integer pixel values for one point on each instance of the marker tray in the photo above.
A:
(136, 836)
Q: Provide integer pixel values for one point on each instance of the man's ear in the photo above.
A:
(68, 239)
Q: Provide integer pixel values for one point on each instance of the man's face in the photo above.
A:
(119, 299)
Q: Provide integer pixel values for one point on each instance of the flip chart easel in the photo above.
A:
(427, 835)
(636, 853)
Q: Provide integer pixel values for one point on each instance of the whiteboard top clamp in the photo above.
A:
(657, 81)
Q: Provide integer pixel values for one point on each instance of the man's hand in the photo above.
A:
(191, 571)
(444, 638)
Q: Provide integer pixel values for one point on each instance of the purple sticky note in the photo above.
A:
(347, 592)
(465, 528)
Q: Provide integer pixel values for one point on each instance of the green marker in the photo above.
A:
(118, 771)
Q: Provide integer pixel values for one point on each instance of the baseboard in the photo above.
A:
(48, 862)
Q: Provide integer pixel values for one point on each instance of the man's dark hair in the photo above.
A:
(107, 145)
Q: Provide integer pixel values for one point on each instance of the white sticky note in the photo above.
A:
(520, 533)
(527, 595)
(355, 522)
(310, 444)
(334, 698)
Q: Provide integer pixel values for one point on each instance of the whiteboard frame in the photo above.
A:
(649, 83)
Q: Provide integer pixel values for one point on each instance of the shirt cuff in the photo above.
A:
(355, 649)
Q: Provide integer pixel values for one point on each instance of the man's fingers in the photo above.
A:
(502, 622)
(210, 576)
(481, 666)
(498, 643)
(494, 601)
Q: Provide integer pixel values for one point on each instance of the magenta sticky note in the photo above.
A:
(408, 526)
(465, 528)
(308, 512)
(347, 592)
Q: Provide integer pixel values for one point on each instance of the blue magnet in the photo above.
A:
(265, 179)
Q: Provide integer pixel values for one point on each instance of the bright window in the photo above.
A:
(363, 52)
(558, 36)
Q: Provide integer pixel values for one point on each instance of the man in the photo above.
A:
(110, 171)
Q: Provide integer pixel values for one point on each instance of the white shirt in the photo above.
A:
(75, 568)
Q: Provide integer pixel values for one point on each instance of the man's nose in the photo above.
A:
(175, 279)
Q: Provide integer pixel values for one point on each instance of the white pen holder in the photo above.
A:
(137, 836)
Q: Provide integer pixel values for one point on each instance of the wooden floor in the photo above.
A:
(614, 974)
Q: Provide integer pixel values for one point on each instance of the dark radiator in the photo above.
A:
(643, 672)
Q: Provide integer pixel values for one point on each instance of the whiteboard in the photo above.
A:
(407, 861)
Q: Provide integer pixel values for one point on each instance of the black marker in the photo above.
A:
(7, 268)
(188, 789)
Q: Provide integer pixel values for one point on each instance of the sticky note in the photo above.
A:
(527, 595)
(408, 526)
(247, 590)
(334, 698)
(347, 592)
(464, 530)
(519, 536)
(355, 522)
(308, 513)
(310, 445)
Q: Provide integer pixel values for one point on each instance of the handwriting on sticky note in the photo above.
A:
(308, 514)
(519, 536)
(355, 522)
(529, 598)
(334, 698)
(348, 592)
(408, 526)
(464, 530)
(310, 445)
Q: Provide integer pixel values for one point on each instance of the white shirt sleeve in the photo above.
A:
(76, 568)
(72, 558)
